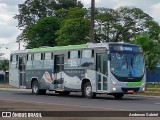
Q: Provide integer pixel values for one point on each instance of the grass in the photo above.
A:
(151, 85)
(151, 89)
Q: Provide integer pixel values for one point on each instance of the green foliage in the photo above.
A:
(75, 27)
(66, 4)
(151, 49)
(106, 24)
(43, 33)
(4, 65)
(33, 10)
(74, 31)
(123, 24)
(151, 85)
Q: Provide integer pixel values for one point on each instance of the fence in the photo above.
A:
(153, 77)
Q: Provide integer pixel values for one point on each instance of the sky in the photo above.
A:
(9, 30)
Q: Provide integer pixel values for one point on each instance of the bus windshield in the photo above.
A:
(127, 64)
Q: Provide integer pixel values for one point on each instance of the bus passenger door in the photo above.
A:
(101, 71)
(58, 71)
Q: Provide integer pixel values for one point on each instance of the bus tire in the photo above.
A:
(118, 95)
(36, 90)
(88, 91)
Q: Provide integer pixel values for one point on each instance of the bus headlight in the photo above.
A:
(143, 89)
(114, 89)
(113, 86)
(143, 84)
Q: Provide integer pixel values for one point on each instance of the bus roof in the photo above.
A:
(69, 47)
(57, 48)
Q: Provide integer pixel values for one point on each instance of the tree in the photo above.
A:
(106, 24)
(66, 4)
(33, 10)
(75, 27)
(43, 33)
(4, 65)
(123, 24)
(151, 49)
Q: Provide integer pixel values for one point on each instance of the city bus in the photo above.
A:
(93, 68)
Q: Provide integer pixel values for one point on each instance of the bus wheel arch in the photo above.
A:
(35, 87)
(86, 89)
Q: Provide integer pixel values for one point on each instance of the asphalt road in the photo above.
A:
(23, 100)
(101, 102)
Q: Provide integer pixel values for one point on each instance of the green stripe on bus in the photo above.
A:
(134, 84)
(57, 48)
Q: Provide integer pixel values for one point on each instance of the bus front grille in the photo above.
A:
(127, 89)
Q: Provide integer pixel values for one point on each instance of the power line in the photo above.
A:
(92, 20)
(8, 43)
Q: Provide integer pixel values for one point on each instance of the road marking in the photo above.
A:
(157, 103)
(115, 109)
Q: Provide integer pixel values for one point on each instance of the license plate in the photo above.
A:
(130, 91)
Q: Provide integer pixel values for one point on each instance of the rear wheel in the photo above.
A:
(118, 95)
(36, 90)
(87, 92)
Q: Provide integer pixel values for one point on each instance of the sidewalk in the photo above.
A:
(11, 88)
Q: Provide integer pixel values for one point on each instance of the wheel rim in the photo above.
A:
(35, 88)
(88, 90)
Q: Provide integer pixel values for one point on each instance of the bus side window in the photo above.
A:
(29, 61)
(38, 60)
(32, 57)
(87, 58)
(13, 61)
(47, 57)
(74, 58)
(16, 57)
(73, 54)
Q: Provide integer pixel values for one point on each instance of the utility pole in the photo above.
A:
(19, 45)
(92, 20)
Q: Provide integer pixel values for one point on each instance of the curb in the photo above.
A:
(15, 89)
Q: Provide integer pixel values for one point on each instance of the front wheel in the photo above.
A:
(88, 91)
(118, 95)
(36, 90)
